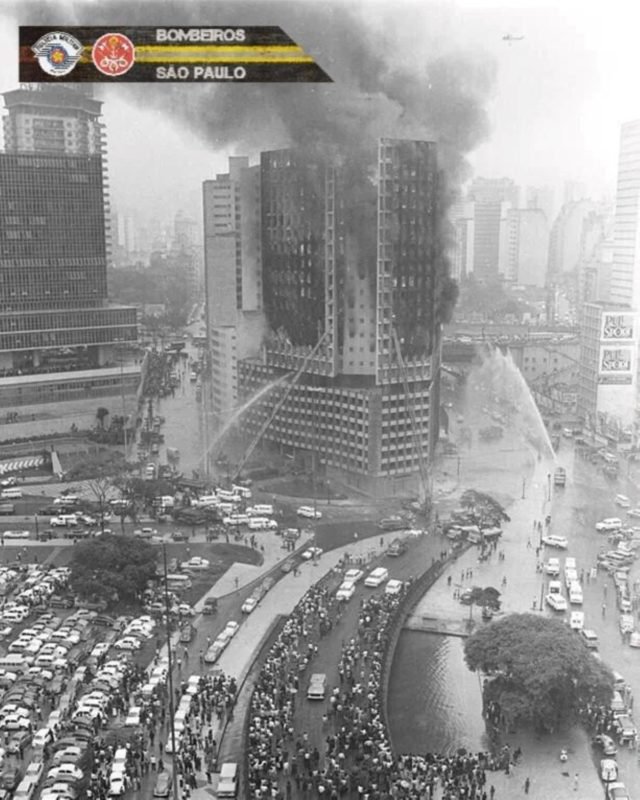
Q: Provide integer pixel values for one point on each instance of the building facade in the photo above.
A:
(351, 286)
(233, 278)
(54, 241)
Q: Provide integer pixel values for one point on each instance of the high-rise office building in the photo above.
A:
(492, 199)
(609, 358)
(233, 275)
(54, 312)
(525, 247)
(625, 270)
(462, 216)
(353, 284)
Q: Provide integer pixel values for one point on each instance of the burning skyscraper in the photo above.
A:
(355, 287)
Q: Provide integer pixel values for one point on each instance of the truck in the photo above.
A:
(210, 605)
(560, 477)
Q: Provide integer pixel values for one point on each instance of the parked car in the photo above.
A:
(249, 604)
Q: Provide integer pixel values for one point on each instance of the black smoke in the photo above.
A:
(437, 94)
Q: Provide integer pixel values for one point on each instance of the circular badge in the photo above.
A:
(113, 54)
(57, 53)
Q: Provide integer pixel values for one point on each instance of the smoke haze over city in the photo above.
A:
(440, 70)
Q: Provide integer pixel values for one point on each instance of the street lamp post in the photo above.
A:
(176, 795)
(549, 486)
(524, 483)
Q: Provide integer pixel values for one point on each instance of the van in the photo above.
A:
(225, 494)
(570, 576)
(376, 577)
(228, 780)
(15, 662)
(26, 788)
(41, 739)
(575, 594)
(263, 509)
(262, 524)
(618, 706)
(317, 686)
(243, 491)
(11, 494)
(120, 758)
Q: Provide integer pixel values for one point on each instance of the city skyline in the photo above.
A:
(554, 102)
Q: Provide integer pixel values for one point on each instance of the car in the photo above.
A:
(606, 743)
(576, 621)
(178, 536)
(556, 601)
(609, 524)
(634, 639)
(617, 791)
(309, 512)
(354, 575)
(66, 772)
(213, 653)
(590, 638)
(608, 770)
(561, 542)
(128, 643)
(393, 587)
(312, 553)
(622, 500)
(163, 784)
(231, 628)
(552, 567)
(633, 512)
(18, 742)
(10, 777)
(116, 784)
(345, 590)
(16, 535)
(249, 604)
(627, 623)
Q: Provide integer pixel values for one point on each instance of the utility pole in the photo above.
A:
(174, 772)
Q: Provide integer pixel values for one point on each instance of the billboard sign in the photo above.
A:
(616, 365)
(618, 326)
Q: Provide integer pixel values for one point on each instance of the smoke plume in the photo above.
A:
(439, 97)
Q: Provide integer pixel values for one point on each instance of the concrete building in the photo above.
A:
(492, 199)
(542, 198)
(625, 270)
(233, 278)
(608, 369)
(533, 247)
(54, 313)
(351, 290)
(462, 216)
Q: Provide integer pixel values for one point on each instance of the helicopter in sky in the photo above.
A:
(509, 37)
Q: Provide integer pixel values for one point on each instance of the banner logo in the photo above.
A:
(57, 53)
(113, 54)
(198, 54)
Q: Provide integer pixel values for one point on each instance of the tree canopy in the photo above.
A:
(538, 671)
(112, 568)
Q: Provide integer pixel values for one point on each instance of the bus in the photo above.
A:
(178, 582)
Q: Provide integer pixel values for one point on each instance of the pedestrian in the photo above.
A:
(604, 610)
(527, 784)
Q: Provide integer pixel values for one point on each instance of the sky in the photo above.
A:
(554, 106)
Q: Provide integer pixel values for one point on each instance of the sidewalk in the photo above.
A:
(550, 779)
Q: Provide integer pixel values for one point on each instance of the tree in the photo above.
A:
(538, 671)
(112, 568)
(486, 508)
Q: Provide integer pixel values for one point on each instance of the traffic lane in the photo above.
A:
(308, 714)
(587, 499)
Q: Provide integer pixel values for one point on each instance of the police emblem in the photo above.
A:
(57, 53)
(113, 54)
